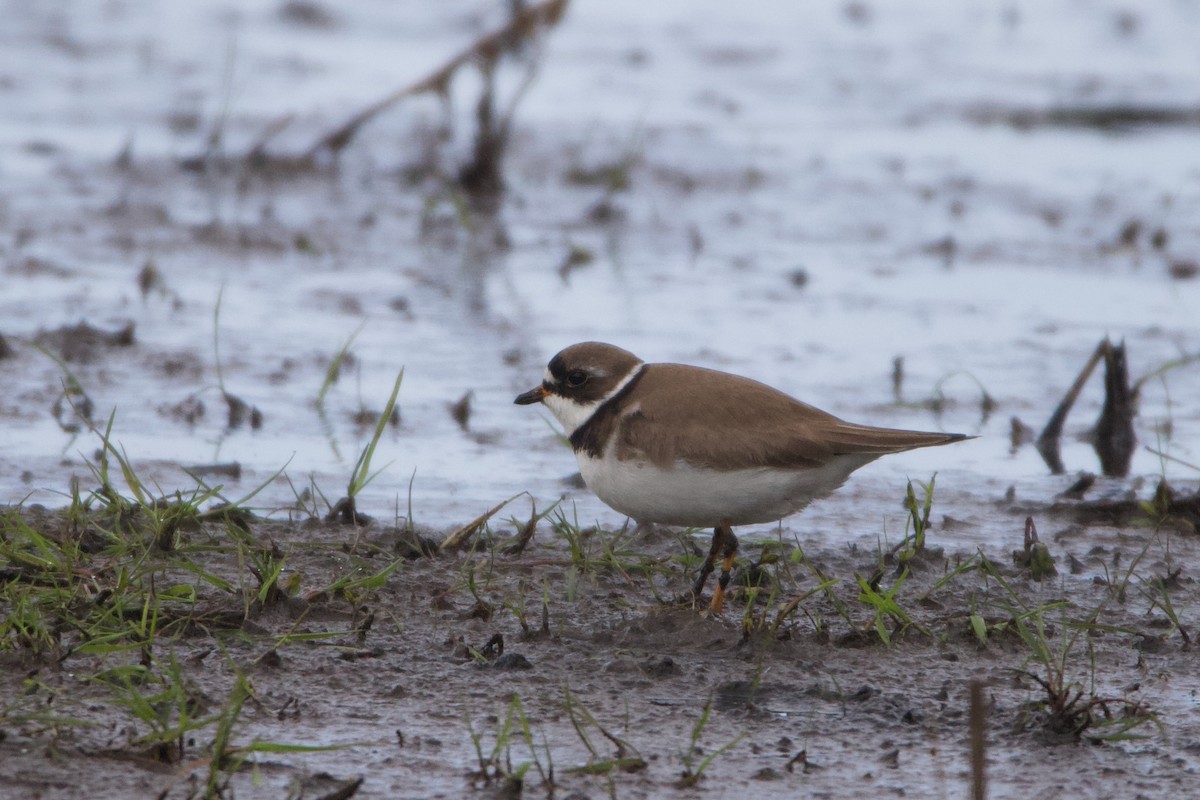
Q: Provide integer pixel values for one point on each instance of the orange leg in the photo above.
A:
(728, 552)
(724, 545)
(706, 570)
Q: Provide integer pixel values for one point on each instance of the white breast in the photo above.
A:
(700, 497)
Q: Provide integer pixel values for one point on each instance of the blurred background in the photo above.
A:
(918, 215)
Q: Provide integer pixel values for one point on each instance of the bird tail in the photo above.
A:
(849, 438)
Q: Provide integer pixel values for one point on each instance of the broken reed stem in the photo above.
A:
(1048, 441)
(1113, 438)
(484, 51)
(459, 537)
(977, 727)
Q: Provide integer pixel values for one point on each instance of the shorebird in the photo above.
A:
(695, 447)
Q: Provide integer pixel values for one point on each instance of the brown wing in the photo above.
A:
(718, 418)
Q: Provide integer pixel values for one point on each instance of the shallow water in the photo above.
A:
(838, 142)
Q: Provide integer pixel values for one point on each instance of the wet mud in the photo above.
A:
(572, 667)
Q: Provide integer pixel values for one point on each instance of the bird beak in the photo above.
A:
(535, 395)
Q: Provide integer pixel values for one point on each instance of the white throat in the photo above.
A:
(573, 415)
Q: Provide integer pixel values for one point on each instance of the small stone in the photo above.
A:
(661, 667)
(512, 661)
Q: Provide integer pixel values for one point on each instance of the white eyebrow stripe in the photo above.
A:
(633, 373)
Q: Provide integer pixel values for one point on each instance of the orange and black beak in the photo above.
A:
(535, 395)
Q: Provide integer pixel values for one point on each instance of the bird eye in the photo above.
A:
(576, 378)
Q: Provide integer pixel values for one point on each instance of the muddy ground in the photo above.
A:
(576, 666)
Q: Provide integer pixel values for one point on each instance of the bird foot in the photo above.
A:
(717, 603)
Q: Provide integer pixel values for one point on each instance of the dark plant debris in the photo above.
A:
(1167, 508)
(1184, 269)
(460, 410)
(1112, 118)
(1113, 437)
(346, 512)
(1035, 556)
(83, 343)
(577, 258)
(526, 22)
(241, 412)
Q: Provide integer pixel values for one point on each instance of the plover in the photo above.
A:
(695, 447)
